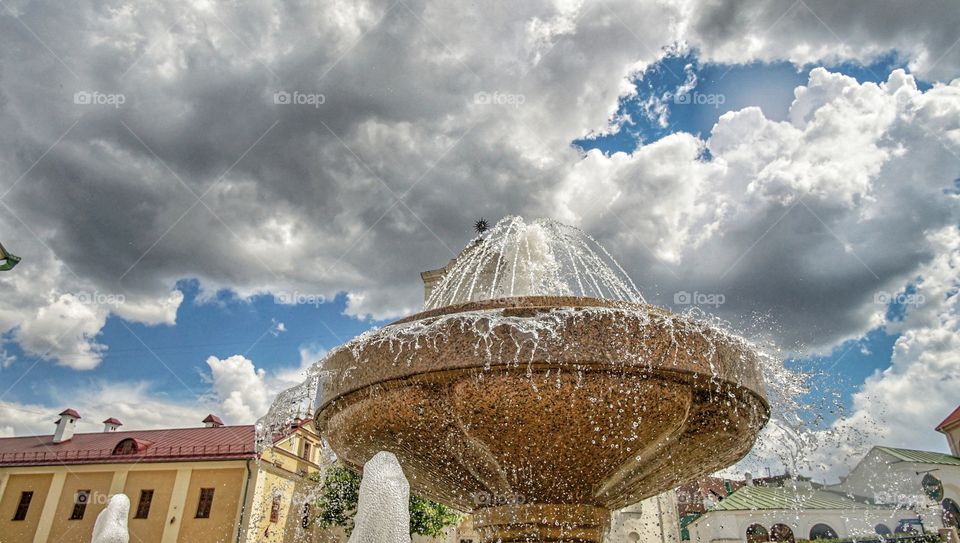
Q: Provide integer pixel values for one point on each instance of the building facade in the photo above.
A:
(185, 484)
(791, 512)
(925, 482)
(891, 490)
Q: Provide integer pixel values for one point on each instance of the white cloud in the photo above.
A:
(908, 399)
(240, 388)
(312, 207)
(240, 394)
(136, 404)
(802, 220)
(65, 330)
(245, 392)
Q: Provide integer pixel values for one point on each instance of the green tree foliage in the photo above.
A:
(337, 505)
(430, 518)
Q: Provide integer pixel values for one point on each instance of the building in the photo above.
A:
(697, 497)
(890, 490)
(950, 427)
(654, 520)
(794, 511)
(185, 484)
(923, 481)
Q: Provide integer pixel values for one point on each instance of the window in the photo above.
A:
(143, 506)
(305, 521)
(933, 487)
(951, 513)
(781, 532)
(822, 531)
(80, 500)
(757, 533)
(306, 450)
(24, 505)
(127, 446)
(275, 509)
(206, 502)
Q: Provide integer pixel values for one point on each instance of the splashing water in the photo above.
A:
(543, 258)
(111, 523)
(546, 258)
(383, 508)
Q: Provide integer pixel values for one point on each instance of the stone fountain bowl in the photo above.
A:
(541, 414)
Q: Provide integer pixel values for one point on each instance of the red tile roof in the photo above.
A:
(112, 420)
(951, 419)
(171, 445)
(70, 412)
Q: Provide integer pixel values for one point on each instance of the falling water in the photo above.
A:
(547, 258)
(543, 258)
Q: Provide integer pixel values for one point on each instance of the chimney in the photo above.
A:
(66, 425)
(212, 421)
(748, 477)
(111, 425)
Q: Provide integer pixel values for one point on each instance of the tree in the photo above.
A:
(337, 505)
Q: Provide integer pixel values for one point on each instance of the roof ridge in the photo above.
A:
(118, 432)
(951, 419)
(887, 447)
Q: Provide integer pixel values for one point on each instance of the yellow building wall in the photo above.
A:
(228, 478)
(282, 471)
(269, 485)
(150, 529)
(220, 527)
(18, 531)
(65, 530)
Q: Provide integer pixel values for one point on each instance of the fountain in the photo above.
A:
(539, 391)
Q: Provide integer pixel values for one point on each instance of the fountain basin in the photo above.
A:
(542, 413)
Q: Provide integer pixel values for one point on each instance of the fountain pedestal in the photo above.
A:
(542, 523)
(541, 414)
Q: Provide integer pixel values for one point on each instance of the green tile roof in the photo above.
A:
(751, 498)
(921, 457)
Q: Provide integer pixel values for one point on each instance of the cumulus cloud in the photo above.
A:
(199, 173)
(136, 404)
(205, 171)
(816, 30)
(245, 392)
(240, 393)
(908, 399)
(240, 387)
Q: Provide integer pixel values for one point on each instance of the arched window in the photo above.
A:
(822, 531)
(951, 513)
(933, 487)
(131, 446)
(882, 529)
(781, 533)
(757, 534)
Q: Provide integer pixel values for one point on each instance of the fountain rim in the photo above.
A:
(523, 306)
(537, 301)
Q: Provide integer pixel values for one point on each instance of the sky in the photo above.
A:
(207, 196)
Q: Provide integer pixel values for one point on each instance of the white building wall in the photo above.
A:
(654, 520)
(717, 526)
(886, 479)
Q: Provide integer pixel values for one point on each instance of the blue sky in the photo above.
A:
(172, 358)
